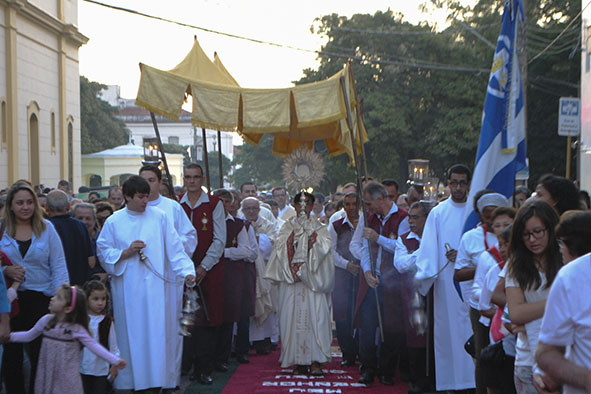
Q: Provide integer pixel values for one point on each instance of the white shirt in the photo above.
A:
(359, 245)
(337, 215)
(180, 220)
(339, 260)
(488, 287)
(286, 212)
(471, 247)
(485, 262)
(525, 348)
(404, 261)
(215, 250)
(90, 364)
(567, 320)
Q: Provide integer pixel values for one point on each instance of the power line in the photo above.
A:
(559, 35)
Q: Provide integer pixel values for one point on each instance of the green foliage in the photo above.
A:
(214, 169)
(411, 109)
(99, 129)
(257, 164)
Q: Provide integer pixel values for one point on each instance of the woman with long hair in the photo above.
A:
(38, 262)
(559, 192)
(533, 264)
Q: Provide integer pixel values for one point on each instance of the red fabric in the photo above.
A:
(390, 278)
(264, 375)
(213, 283)
(14, 309)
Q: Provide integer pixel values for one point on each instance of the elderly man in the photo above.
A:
(405, 259)
(115, 197)
(264, 322)
(74, 236)
(385, 224)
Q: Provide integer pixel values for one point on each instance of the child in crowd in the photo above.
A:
(63, 330)
(94, 370)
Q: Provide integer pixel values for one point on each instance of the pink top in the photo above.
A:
(79, 334)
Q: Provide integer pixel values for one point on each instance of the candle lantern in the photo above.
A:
(418, 170)
(151, 152)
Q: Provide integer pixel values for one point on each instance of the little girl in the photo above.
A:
(94, 370)
(63, 330)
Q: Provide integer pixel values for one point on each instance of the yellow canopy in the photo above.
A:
(296, 116)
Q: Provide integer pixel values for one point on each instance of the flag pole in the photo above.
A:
(356, 159)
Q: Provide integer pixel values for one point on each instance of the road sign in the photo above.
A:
(569, 116)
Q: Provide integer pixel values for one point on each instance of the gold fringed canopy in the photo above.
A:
(295, 116)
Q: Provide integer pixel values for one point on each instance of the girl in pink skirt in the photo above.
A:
(65, 331)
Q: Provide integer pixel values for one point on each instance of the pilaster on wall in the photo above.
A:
(10, 13)
(62, 112)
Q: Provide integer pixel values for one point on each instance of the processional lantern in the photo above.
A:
(152, 155)
(418, 171)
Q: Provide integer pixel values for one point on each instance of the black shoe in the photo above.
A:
(386, 380)
(366, 378)
(347, 363)
(221, 367)
(202, 378)
(242, 359)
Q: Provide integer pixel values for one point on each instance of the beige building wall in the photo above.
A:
(39, 83)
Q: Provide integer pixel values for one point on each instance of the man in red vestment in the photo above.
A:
(208, 217)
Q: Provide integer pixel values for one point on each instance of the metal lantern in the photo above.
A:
(418, 171)
(151, 153)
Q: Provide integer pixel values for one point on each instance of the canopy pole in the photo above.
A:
(358, 101)
(356, 159)
(220, 159)
(161, 149)
(206, 160)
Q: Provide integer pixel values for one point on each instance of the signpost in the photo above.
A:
(569, 124)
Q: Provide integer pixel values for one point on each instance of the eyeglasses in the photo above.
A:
(456, 183)
(251, 209)
(537, 234)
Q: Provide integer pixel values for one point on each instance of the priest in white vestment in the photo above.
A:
(454, 368)
(302, 264)
(139, 283)
(174, 291)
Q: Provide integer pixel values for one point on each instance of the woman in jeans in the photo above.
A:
(36, 252)
(533, 264)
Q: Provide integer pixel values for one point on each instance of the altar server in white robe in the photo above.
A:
(454, 368)
(174, 291)
(302, 264)
(138, 283)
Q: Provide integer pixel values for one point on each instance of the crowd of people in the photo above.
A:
(501, 308)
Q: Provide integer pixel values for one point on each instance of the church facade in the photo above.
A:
(39, 91)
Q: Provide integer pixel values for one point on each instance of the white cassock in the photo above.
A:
(265, 318)
(304, 307)
(174, 291)
(139, 295)
(454, 368)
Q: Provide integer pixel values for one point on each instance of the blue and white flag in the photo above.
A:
(501, 148)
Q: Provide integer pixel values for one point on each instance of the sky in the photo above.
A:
(119, 41)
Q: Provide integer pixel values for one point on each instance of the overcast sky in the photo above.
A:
(119, 40)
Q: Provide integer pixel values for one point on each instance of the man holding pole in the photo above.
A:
(208, 217)
(377, 243)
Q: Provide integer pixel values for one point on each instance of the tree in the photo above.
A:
(99, 129)
(257, 164)
(214, 170)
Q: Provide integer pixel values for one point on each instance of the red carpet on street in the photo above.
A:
(264, 375)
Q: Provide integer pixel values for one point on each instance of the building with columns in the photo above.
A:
(39, 92)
